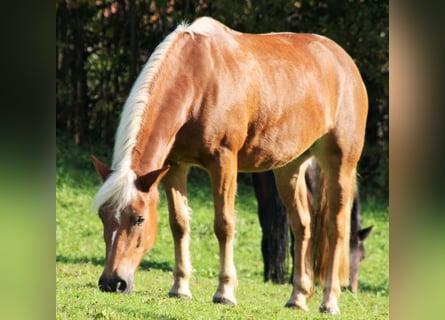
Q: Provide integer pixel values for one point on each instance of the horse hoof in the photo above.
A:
(333, 311)
(179, 295)
(298, 306)
(224, 301)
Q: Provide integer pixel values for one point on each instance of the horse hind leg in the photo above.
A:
(175, 185)
(339, 172)
(292, 189)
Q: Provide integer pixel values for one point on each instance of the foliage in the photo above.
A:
(101, 46)
(80, 256)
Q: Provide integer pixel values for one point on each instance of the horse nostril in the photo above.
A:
(121, 285)
(104, 285)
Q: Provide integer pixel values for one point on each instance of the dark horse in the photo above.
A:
(227, 101)
(274, 225)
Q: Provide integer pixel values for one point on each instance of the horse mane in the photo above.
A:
(119, 188)
(137, 103)
(206, 26)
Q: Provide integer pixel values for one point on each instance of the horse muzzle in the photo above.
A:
(116, 284)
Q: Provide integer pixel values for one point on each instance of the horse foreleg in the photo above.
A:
(223, 177)
(175, 185)
(293, 192)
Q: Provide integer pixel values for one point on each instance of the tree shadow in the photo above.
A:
(145, 264)
(149, 315)
(366, 287)
(80, 260)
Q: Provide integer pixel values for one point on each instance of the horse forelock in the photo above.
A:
(119, 190)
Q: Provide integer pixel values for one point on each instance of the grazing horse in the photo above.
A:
(274, 225)
(227, 101)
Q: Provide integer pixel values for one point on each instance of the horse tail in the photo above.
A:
(319, 226)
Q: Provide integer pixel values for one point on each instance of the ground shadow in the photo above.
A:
(80, 260)
(127, 309)
(149, 315)
(366, 287)
(145, 265)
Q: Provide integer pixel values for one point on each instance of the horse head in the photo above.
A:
(356, 255)
(129, 228)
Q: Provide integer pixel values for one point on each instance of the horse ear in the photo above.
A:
(364, 233)
(102, 169)
(143, 183)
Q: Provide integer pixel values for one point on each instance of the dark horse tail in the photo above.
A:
(319, 246)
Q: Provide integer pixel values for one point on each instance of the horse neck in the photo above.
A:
(165, 116)
(172, 95)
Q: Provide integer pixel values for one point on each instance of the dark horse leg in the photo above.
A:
(274, 224)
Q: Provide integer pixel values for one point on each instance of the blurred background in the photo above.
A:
(102, 45)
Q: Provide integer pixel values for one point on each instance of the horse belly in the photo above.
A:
(261, 162)
(267, 153)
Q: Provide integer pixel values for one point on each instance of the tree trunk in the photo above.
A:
(80, 85)
(133, 43)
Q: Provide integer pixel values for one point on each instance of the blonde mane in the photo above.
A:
(119, 188)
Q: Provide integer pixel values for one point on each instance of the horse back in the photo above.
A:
(266, 97)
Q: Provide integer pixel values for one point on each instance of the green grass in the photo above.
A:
(80, 255)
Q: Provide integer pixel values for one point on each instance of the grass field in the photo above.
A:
(80, 257)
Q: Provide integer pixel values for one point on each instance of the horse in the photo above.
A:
(230, 102)
(274, 225)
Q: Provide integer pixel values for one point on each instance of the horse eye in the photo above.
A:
(139, 220)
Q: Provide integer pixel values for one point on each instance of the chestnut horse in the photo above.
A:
(227, 101)
(274, 226)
